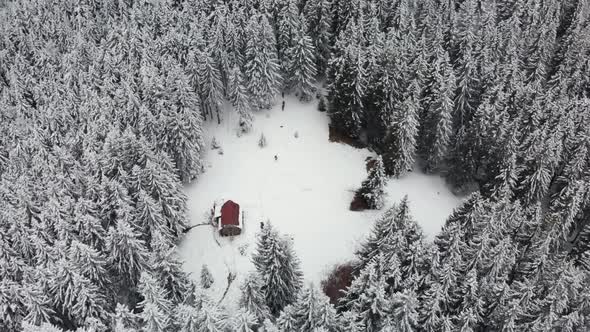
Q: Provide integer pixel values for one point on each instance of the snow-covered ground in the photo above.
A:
(305, 193)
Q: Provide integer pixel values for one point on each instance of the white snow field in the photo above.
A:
(305, 193)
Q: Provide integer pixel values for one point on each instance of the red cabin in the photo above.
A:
(230, 223)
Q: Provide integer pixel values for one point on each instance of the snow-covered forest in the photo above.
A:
(103, 105)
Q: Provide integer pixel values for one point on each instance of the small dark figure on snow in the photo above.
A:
(283, 107)
(261, 225)
(283, 95)
(276, 157)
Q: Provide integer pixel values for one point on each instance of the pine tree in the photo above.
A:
(243, 322)
(127, 253)
(90, 263)
(373, 188)
(44, 327)
(287, 25)
(381, 231)
(384, 90)
(156, 308)
(348, 83)
(439, 120)
(238, 95)
(268, 326)
(252, 299)
(300, 63)
(212, 318)
(262, 67)
(311, 311)
(400, 151)
(150, 217)
(366, 296)
(185, 143)
(124, 319)
(207, 80)
(206, 277)
(319, 17)
(278, 267)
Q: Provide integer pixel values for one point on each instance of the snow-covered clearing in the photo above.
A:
(305, 193)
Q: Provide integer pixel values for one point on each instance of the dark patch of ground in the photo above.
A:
(337, 281)
(339, 137)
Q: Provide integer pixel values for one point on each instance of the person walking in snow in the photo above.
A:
(276, 158)
(283, 105)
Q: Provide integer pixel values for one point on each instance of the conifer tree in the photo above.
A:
(300, 63)
(278, 267)
(206, 277)
(400, 150)
(311, 311)
(439, 118)
(243, 322)
(127, 253)
(262, 67)
(238, 95)
(373, 188)
(287, 25)
(156, 308)
(319, 17)
(348, 85)
(366, 296)
(381, 231)
(208, 80)
(212, 318)
(252, 299)
(185, 143)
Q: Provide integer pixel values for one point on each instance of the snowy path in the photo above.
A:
(305, 194)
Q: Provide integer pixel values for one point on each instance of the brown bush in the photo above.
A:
(337, 281)
(358, 203)
(339, 137)
(370, 163)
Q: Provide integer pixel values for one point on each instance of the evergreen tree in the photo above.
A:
(207, 80)
(309, 312)
(439, 118)
(252, 299)
(185, 143)
(381, 231)
(348, 80)
(366, 296)
(372, 189)
(206, 277)
(400, 151)
(287, 25)
(262, 67)
(156, 308)
(300, 63)
(211, 318)
(243, 322)
(319, 17)
(238, 95)
(278, 267)
(127, 253)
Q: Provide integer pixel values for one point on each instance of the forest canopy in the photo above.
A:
(102, 107)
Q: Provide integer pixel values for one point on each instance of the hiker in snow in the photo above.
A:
(276, 158)
(261, 225)
(283, 105)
